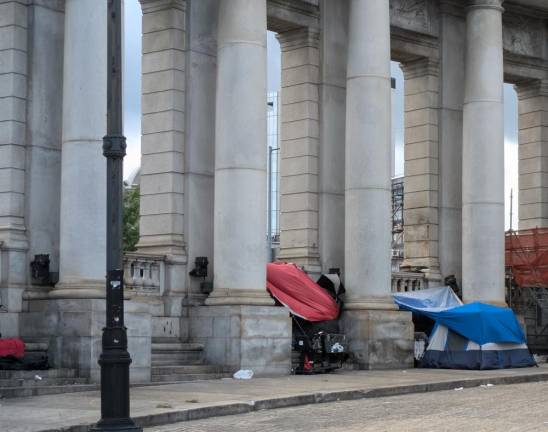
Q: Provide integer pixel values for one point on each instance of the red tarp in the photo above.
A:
(12, 347)
(292, 287)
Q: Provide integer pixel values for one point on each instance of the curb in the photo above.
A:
(310, 399)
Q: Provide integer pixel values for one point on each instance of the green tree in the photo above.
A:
(130, 234)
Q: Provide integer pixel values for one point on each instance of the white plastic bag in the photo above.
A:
(243, 374)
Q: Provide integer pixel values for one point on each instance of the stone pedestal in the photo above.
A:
(244, 337)
(74, 329)
(379, 339)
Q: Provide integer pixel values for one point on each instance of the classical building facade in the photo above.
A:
(204, 166)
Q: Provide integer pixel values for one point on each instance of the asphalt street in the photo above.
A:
(507, 408)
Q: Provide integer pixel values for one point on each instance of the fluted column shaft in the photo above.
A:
(367, 156)
(483, 155)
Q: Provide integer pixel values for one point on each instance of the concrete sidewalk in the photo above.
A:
(163, 404)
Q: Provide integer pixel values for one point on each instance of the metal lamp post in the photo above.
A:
(115, 359)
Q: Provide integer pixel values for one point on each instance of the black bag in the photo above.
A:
(31, 361)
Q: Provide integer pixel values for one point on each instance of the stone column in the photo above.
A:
(43, 185)
(452, 29)
(483, 155)
(421, 180)
(162, 143)
(333, 59)
(239, 327)
(200, 137)
(373, 343)
(240, 155)
(299, 149)
(13, 105)
(83, 167)
(533, 154)
(367, 207)
(73, 319)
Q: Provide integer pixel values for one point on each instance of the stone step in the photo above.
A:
(176, 346)
(36, 347)
(16, 392)
(29, 374)
(26, 382)
(188, 369)
(189, 377)
(178, 357)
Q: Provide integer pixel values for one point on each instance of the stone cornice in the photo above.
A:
(285, 15)
(532, 89)
(512, 8)
(150, 6)
(421, 67)
(299, 38)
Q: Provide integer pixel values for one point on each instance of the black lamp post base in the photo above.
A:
(125, 426)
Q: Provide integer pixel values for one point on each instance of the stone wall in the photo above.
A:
(533, 154)
(299, 148)
(13, 169)
(163, 142)
(244, 337)
(421, 181)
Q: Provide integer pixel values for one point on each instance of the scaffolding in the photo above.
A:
(526, 259)
(397, 223)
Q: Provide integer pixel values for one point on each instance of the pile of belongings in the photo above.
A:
(467, 336)
(14, 357)
(315, 309)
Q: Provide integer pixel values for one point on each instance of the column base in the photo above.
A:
(238, 297)
(74, 329)
(379, 339)
(79, 289)
(371, 303)
(244, 337)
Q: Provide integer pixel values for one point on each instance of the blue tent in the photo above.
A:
(471, 336)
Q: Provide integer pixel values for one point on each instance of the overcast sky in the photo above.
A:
(132, 105)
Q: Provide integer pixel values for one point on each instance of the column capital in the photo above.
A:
(149, 6)
(531, 89)
(421, 67)
(485, 4)
(299, 38)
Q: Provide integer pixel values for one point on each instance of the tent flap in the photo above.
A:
(293, 288)
(479, 322)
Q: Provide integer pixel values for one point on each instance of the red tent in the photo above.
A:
(293, 288)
